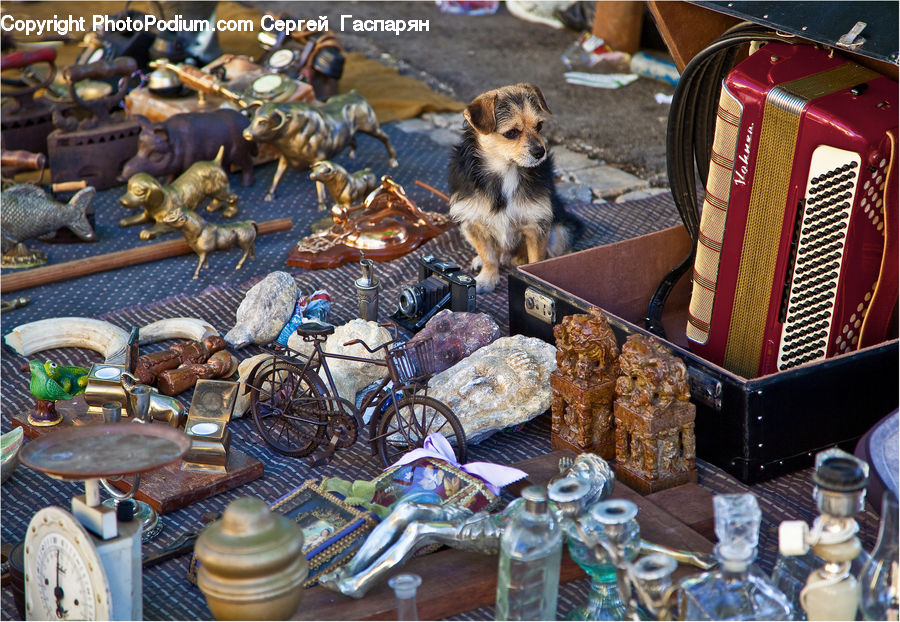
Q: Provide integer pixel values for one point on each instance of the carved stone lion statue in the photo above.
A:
(586, 347)
(651, 377)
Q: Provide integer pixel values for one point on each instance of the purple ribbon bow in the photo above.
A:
(496, 476)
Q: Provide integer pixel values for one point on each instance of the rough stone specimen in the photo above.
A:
(456, 335)
(655, 443)
(350, 376)
(265, 310)
(242, 404)
(502, 384)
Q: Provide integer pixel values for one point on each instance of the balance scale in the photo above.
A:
(86, 565)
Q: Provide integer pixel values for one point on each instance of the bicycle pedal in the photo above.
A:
(321, 460)
(325, 457)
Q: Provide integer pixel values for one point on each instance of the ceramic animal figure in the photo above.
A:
(168, 148)
(72, 378)
(204, 237)
(202, 180)
(344, 188)
(44, 387)
(304, 133)
(27, 212)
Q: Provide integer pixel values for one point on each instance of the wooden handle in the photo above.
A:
(68, 186)
(109, 261)
(100, 70)
(23, 160)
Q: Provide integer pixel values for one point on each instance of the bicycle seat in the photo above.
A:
(315, 329)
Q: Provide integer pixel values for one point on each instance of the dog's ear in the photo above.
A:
(536, 91)
(480, 113)
(154, 196)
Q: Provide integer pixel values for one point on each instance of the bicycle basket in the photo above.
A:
(413, 362)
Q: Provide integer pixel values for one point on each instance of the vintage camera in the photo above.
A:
(442, 285)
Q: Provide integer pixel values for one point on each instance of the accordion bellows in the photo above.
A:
(797, 252)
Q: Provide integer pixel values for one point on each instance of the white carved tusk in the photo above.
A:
(63, 332)
(176, 328)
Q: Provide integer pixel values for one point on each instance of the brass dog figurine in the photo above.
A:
(305, 133)
(200, 181)
(345, 188)
(204, 237)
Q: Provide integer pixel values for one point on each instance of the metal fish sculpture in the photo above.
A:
(27, 211)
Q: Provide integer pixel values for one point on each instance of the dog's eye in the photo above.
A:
(512, 134)
(539, 126)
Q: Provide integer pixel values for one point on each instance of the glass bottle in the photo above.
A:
(653, 576)
(736, 590)
(880, 577)
(614, 523)
(405, 586)
(530, 555)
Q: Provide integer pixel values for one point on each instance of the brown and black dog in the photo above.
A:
(502, 191)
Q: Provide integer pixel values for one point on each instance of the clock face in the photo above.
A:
(64, 577)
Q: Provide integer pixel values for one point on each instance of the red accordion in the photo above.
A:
(797, 257)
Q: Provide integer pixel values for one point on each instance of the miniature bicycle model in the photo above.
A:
(296, 411)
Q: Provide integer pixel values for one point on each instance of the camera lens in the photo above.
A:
(409, 301)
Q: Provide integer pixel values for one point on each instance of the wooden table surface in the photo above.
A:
(457, 581)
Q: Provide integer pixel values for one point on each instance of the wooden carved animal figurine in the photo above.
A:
(202, 180)
(304, 133)
(344, 188)
(204, 237)
(29, 212)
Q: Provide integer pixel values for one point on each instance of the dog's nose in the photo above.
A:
(537, 151)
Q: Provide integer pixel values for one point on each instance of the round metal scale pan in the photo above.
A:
(104, 450)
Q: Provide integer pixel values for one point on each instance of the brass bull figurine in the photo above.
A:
(304, 133)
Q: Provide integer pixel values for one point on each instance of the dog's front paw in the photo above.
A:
(269, 197)
(476, 263)
(485, 283)
(146, 234)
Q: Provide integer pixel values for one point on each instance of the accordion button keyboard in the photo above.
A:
(819, 252)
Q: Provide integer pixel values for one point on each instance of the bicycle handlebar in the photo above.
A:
(390, 325)
(385, 345)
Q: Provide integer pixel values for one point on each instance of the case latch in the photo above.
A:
(705, 388)
(540, 306)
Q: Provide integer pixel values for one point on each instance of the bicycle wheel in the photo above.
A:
(288, 408)
(419, 416)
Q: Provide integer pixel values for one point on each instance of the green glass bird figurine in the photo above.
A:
(72, 378)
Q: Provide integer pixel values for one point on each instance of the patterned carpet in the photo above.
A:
(141, 294)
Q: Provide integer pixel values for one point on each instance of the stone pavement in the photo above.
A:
(579, 177)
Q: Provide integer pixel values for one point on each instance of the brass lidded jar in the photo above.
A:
(251, 563)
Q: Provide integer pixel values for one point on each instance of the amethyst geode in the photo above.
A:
(456, 335)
